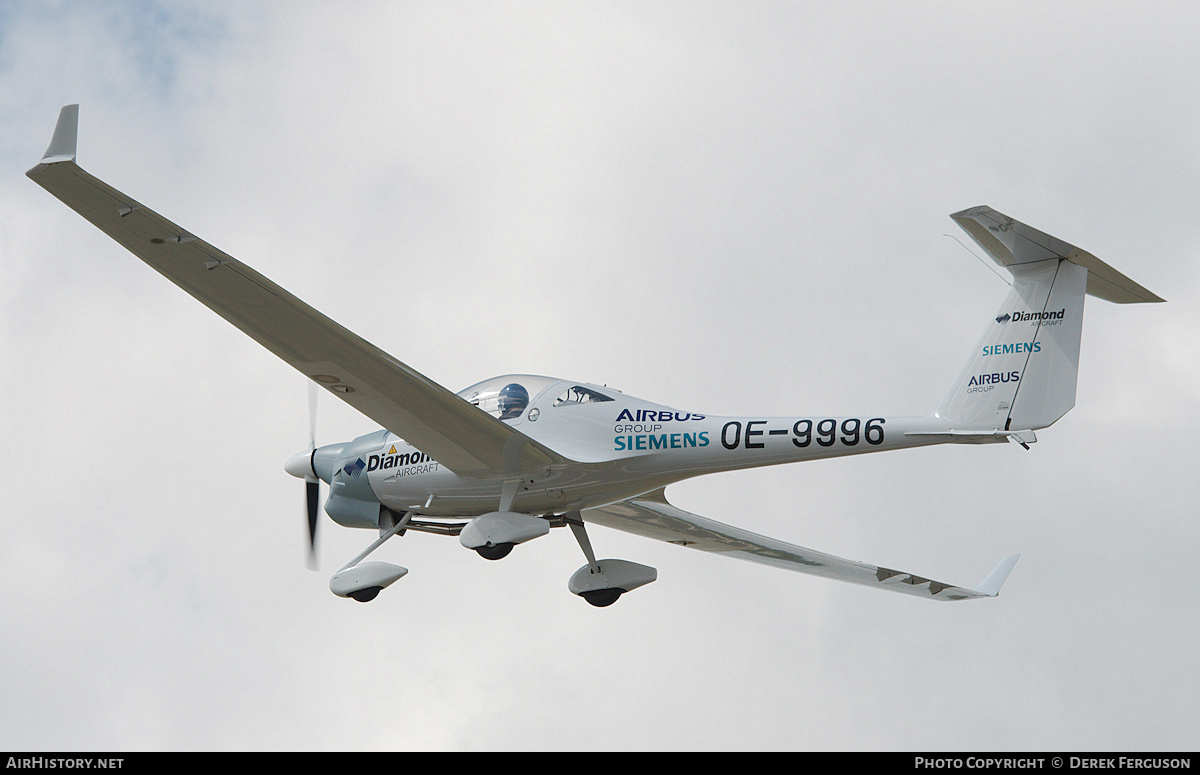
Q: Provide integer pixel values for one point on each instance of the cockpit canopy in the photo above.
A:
(508, 397)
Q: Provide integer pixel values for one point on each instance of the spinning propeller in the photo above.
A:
(313, 465)
(312, 485)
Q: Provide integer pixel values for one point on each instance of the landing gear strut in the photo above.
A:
(363, 581)
(601, 582)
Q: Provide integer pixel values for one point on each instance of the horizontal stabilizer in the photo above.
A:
(1010, 242)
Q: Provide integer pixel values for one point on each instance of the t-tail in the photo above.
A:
(1021, 375)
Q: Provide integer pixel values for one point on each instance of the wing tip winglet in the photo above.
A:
(66, 134)
(990, 586)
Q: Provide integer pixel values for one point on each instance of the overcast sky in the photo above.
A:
(734, 208)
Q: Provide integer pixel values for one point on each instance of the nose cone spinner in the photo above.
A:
(318, 463)
(300, 465)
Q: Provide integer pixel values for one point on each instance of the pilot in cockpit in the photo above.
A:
(513, 400)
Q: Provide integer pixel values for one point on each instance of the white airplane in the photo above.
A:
(509, 458)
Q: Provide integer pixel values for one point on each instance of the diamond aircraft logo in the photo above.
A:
(353, 470)
(1046, 318)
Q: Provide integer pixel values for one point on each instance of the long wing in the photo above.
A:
(460, 436)
(651, 516)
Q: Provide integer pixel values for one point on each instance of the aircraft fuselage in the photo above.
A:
(627, 446)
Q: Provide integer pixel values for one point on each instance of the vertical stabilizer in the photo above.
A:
(1022, 373)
